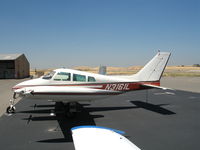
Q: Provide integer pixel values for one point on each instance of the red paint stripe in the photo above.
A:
(43, 93)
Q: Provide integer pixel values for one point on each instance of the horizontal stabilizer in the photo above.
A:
(157, 87)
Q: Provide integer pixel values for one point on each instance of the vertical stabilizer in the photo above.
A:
(154, 69)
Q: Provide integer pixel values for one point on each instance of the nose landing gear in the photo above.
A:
(11, 109)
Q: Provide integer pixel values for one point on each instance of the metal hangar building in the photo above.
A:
(14, 66)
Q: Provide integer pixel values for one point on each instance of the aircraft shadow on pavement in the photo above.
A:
(35, 111)
(99, 109)
(43, 106)
(66, 123)
(152, 107)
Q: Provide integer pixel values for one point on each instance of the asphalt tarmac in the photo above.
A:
(191, 84)
(153, 120)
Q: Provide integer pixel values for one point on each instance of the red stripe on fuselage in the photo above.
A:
(46, 93)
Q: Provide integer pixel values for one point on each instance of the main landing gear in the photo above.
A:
(11, 109)
(71, 109)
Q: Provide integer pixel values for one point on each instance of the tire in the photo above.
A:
(10, 110)
(71, 114)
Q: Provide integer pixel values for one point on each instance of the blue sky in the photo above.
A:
(67, 33)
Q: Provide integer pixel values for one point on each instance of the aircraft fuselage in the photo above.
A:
(63, 86)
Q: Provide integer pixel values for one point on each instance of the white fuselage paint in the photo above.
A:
(67, 91)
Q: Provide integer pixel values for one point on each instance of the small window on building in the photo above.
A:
(78, 77)
(91, 79)
(62, 76)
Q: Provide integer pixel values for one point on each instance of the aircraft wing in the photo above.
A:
(64, 90)
(154, 86)
(100, 138)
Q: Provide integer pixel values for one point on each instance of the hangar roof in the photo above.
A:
(9, 56)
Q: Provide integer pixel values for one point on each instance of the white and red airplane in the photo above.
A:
(71, 86)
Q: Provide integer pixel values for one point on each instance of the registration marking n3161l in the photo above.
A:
(117, 87)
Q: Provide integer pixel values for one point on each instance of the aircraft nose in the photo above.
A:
(26, 84)
(16, 87)
(19, 85)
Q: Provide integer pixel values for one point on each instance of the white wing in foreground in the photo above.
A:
(100, 138)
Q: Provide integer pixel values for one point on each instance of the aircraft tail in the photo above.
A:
(154, 69)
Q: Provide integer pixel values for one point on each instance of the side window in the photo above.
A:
(91, 79)
(78, 77)
(62, 76)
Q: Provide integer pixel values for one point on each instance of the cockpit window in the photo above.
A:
(62, 76)
(78, 77)
(49, 75)
(91, 79)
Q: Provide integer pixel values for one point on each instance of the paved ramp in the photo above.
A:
(170, 120)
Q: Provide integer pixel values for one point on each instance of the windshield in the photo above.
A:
(62, 76)
(49, 75)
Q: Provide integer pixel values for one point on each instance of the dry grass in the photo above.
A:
(187, 71)
(173, 71)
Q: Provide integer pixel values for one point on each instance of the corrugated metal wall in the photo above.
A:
(22, 69)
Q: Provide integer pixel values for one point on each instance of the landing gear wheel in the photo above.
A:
(11, 109)
(70, 109)
(71, 114)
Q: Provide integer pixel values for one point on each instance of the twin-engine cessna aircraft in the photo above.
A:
(71, 86)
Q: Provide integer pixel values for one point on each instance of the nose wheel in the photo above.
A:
(11, 109)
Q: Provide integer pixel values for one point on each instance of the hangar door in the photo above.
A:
(7, 69)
